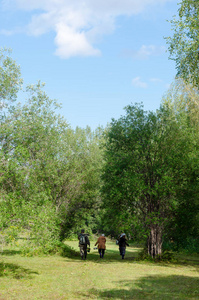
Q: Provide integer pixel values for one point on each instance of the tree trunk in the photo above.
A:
(155, 241)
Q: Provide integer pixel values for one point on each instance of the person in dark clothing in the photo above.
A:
(122, 244)
(83, 243)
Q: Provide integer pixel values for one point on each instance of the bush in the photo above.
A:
(166, 256)
(190, 245)
(143, 255)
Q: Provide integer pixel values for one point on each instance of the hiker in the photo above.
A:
(119, 236)
(83, 242)
(101, 241)
(122, 244)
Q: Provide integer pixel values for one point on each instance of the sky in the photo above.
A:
(95, 56)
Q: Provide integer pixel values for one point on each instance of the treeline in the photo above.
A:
(139, 175)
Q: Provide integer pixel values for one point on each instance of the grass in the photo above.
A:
(56, 277)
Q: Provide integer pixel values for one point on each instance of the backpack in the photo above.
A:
(82, 239)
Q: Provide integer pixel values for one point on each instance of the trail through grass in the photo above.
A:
(55, 277)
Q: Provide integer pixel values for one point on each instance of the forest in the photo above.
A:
(138, 175)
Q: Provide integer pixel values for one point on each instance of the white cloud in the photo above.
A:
(137, 82)
(72, 43)
(145, 52)
(78, 24)
(6, 32)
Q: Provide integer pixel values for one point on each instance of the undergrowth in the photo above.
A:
(166, 256)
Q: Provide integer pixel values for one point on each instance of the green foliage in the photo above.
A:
(49, 173)
(166, 256)
(29, 152)
(183, 45)
(113, 222)
(148, 160)
(29, 248)
(10, 77)
(183, 229)
(183, 99)
(83, 197)
(144, 256)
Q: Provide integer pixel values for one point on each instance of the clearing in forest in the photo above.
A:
(56, 277)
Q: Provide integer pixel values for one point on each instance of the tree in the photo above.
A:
(183, 98)
(183, 228)
(10, 83)
(80, 207)
(10, 77)
(146, 158)
(30, 150)
(184, 44)
(49, 172)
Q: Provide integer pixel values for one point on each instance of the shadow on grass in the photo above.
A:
(114, 256)
(10, 252)
(130, 259)
(15, 271)
(191, 260)
(153, 287)
(109, 257)
(92, 257)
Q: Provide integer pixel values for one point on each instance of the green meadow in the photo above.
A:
(57, 277)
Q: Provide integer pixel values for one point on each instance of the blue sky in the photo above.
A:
(95, 56)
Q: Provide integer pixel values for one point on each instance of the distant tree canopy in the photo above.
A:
(184, 44)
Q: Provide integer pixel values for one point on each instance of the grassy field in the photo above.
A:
(56, 277)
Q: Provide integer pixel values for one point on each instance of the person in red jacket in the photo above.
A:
(101, 241)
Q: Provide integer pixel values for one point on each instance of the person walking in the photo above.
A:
(101, 241)
(83, 243)
(122, 244)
